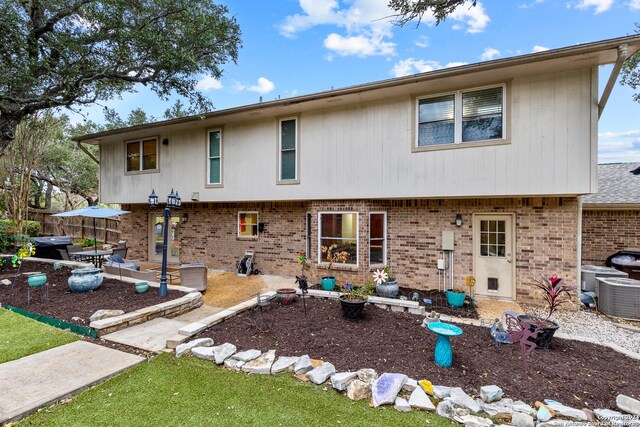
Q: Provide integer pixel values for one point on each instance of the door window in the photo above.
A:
(493, 238)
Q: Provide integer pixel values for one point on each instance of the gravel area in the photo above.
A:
(598, 328)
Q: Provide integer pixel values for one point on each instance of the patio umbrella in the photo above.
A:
(93, 212)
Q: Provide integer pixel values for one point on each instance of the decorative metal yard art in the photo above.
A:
(499, 334)
(470, 281)
(303, 284)
(523, 332)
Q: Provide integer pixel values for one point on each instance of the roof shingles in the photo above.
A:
(616, 185)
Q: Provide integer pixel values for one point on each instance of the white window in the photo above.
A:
(288, 149)
(142, 155)
(214, 155)
(377, 239)
(463, 116)
(339, 229)
(247, 224)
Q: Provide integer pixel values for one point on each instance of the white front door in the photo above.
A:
(494, 265)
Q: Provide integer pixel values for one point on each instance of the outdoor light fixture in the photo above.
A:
(185, 218)
(173, 202)
(458, 220)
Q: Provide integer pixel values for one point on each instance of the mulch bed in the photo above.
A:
(76, 307)
(574, 373)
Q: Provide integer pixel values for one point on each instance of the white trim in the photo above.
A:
(357, 214)
(296, 148)
(209, 132)
(384, 239)
(257, 225)
(457, 116)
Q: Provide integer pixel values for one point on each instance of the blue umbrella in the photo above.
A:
(93, 212)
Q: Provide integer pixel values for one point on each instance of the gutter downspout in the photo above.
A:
(622, 56)
(87, 152)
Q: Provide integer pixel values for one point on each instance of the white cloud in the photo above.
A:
(599, 5)
(624, 134)
(358, 45)
(410, 66)
(423, 41)
(634, 4)
(475, 17)
(263, 86)
(367, 24)
(489, 53)
(209, 83)
(538, 48)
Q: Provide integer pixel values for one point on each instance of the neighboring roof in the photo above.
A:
(554, 60)
(617, 185)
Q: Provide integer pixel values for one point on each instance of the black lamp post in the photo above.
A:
(173, 201)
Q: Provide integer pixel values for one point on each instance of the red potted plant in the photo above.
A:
(553, 289)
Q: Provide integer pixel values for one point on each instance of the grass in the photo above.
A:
(194, 392)
(22, 336)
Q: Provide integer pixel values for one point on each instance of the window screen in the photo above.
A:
(288, 149)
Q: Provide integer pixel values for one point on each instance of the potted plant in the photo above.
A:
(353, 299)
(552, 290)
(386, 283)
(328, 281)
(455, 297)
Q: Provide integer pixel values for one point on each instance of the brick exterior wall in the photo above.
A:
(607, 231)
(546, 237)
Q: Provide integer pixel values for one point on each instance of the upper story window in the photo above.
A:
(463, 116)
(142, 155)
(214, 157)
(288, 149)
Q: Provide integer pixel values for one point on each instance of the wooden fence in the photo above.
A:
(107, 230)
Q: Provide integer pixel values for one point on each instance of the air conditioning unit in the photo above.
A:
(590, 272)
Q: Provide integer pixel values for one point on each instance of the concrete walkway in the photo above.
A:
(41, 379)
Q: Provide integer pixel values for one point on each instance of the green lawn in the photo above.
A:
(22, 336)
(193, 392)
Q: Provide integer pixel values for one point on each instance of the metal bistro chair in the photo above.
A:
(120, 251)
(71, 249)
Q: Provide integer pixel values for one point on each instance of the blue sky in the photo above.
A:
(296, 47)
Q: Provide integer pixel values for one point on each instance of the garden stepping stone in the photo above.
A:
(260, 365)
(410, 385)
(402, 405)
(520, 406)
(566, 411)
(460, 398)
(386, 388)
(321, 373)
(440, 392)
(367, 375)
(628, 404)
(502, 409)
(427, 386)
(420, 400)
(103, 314)
(221, 352)
(490, 393)
(247, 356)
(358, 390)
(474, 421)
(233, 364)
(205, 353)
(284, 363)
(341, 380)
(303, 365)
(185, 348)
(544, 414)
(518, 419)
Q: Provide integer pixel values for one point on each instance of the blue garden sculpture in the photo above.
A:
(443, 353)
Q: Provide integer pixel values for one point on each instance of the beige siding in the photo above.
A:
(364, 151)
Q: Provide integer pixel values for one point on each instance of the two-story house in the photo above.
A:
(480, 165)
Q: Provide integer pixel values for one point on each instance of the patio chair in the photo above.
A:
(122, 244)
(120, 251)
(64, 254)
(74, 248)
(194, 276)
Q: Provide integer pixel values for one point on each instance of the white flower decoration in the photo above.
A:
(380, 277)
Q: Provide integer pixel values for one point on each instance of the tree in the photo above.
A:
(408, 10)
(631, 71)
(64, 53)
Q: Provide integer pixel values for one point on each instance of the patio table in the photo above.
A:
(95, 256)
(443, 353)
